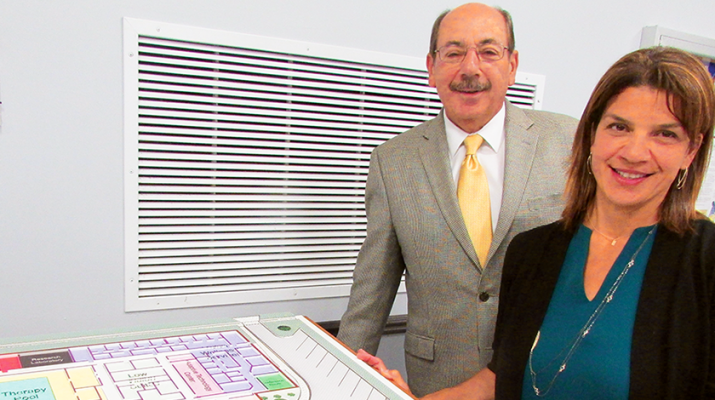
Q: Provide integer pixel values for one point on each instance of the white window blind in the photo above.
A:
(246, 159)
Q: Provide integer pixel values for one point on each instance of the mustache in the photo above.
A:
(470, 84)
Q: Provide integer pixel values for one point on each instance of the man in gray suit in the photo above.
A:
(415, 225)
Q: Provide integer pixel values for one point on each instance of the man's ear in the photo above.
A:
(430, 69)
(513, 65)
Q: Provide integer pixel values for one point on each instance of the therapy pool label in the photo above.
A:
(26, 389)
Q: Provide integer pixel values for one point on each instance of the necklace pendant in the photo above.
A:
(613, 243)
(562, 368)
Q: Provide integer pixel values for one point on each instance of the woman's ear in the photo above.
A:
(693, 151)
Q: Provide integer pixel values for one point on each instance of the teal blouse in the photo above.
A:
(599, 368)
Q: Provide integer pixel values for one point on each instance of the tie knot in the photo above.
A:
(472, 143)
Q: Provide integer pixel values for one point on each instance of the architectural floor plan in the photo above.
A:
(256, 358)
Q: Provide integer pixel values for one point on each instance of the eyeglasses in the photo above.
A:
(453, 54)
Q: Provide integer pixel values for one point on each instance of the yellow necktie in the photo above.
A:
(473, 195)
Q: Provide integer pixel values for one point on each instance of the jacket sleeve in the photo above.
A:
(378, 270)
(708, 260)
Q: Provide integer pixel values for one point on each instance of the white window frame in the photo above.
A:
(233, 266)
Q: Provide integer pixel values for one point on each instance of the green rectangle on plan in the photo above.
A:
(26, 389)
(274, 381)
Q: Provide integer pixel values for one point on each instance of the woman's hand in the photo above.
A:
(378, 365)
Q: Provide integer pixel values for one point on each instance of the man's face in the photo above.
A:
(472, 91)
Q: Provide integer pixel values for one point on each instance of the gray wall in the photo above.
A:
(61, 189)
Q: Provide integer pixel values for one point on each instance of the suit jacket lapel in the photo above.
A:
(434, 153)
(520, 150)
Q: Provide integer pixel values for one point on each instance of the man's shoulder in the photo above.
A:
(552, 119)
(548, 114)
(426, 128)
(553, 133)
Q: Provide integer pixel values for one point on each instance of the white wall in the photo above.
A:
(61, 218)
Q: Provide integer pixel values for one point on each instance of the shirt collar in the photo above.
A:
(492, 132)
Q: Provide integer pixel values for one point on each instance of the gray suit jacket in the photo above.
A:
(415, 227)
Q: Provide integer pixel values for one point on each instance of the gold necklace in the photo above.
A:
(584, 331)
(613, 240)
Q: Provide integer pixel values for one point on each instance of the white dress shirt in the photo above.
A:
(491, 156)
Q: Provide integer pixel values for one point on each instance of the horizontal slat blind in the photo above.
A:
(247, 162)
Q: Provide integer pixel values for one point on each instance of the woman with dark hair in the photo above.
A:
(617, 299)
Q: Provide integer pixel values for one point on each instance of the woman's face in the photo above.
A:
(638, 149)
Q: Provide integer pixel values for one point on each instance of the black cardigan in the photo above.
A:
(673, 348)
